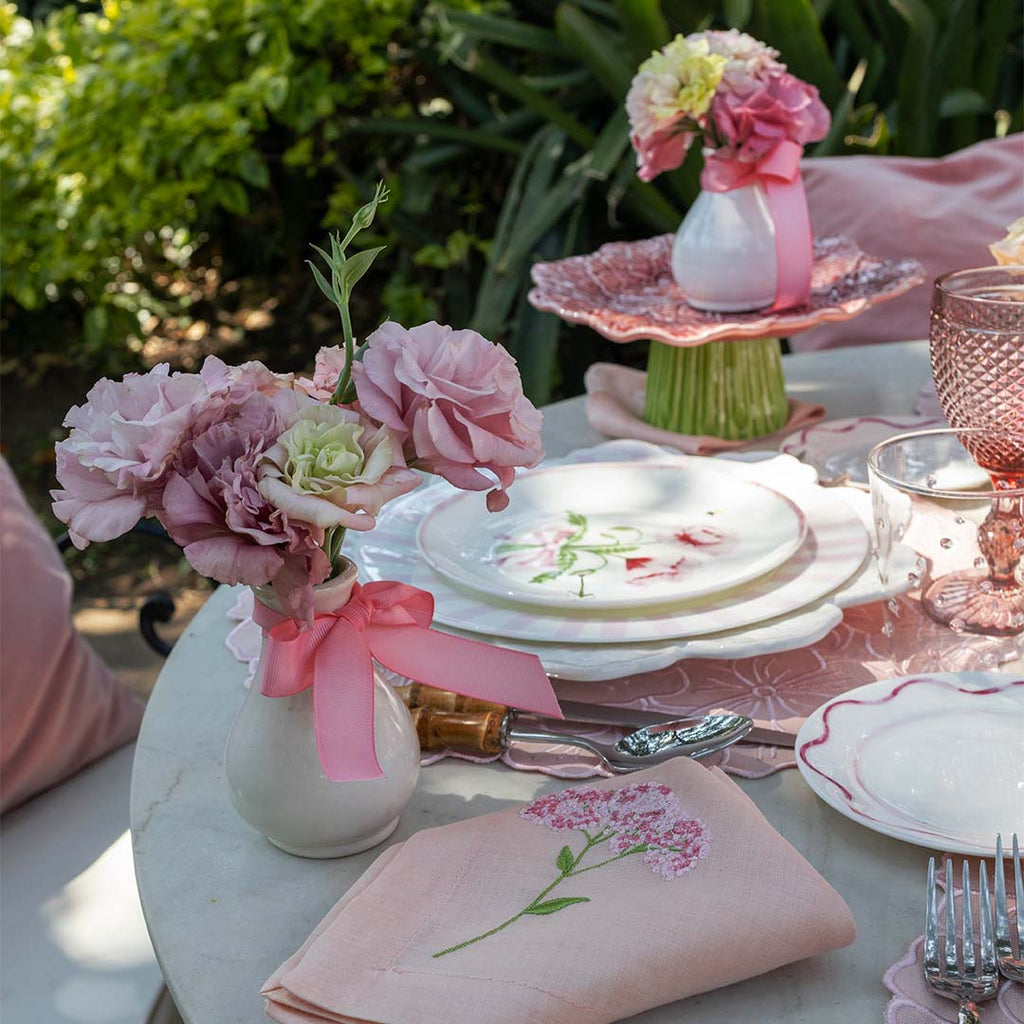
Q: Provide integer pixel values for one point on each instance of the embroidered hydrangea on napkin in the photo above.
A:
(584, 906)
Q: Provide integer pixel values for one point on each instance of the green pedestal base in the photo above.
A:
(729, 389)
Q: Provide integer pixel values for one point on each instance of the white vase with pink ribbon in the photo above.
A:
(275, 776)
(746, 242)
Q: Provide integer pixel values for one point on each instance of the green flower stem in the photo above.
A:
(346, 376)
(591, 843)
(729, 389)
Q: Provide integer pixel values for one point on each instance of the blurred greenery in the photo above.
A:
(164, 164)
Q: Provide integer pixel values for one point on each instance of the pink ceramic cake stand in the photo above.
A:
(625, 291)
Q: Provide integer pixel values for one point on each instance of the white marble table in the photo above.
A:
(224, 907)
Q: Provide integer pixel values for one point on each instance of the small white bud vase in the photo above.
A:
(723, 257)
(273, 769)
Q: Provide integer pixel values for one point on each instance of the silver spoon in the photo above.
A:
(640, 748)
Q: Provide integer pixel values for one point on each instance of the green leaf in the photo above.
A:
(553, 906)
(597, 47)
(792, 28)
(737, 12)
(530, 182)
(963, 101)
(505, 31)
(566, 559)
(644, 26)
(252, 169)
(545, 577)
(322, 282)
(232, 196)
(275, 92)
(565, 860)
(996, 35)
(917, 110)
(356, 265)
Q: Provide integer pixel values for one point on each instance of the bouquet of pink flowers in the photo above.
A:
(729, 90)
(258, 475)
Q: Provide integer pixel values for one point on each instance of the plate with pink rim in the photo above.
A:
(936, 760)
(613, 535)
(838, 449)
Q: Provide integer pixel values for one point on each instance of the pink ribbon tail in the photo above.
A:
(388, 622)
(778, 172)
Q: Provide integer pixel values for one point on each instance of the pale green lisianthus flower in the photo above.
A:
(334, 467)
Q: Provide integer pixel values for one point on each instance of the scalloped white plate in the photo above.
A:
(937, 761)
(389, 552)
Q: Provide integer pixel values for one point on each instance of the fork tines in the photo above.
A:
(1011, 966)
(958, 973)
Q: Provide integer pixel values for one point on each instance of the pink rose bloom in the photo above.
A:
(779, 107)
(213, 508)
(455, 399)
(333, 467)
(330, 361)
(112, 465)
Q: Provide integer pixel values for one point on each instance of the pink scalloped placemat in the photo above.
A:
(625, 291)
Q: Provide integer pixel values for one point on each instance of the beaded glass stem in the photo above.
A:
(977, 350)
(729, 389)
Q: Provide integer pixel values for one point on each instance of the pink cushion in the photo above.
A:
(60, 707)
(942, 212)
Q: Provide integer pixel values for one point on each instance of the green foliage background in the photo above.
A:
(146, 141)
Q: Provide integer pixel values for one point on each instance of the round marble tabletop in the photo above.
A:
(224, 907)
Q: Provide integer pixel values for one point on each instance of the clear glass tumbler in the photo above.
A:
(930, 499)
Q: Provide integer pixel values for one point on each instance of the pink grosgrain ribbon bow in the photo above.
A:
(389, 622)
(778, 171)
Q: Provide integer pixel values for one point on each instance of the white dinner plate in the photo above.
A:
(937, 760)
(613, 535)
(834, 549)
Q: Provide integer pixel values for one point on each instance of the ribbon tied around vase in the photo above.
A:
(389, 622)
(778, 173)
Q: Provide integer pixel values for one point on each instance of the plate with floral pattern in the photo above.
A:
(934, 760)
(834, 550)
(613, 535)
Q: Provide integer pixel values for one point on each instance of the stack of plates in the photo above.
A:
(626, 558)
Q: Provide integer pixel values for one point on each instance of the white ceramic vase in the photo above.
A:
(273, 770)
(723, 257)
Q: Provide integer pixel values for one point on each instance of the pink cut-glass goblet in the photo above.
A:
(977, 350)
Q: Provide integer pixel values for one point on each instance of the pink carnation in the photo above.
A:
(456, 400)
(213, 508)
(779, 106)
(111, 467)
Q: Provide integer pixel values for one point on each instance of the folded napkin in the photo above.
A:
(615, 408)
(586, 905)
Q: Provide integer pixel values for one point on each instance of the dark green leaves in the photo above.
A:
(565, 860)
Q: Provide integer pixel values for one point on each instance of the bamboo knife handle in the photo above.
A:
(474, 732)
(416, 695)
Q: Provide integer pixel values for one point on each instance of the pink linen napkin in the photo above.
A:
(615, 408)
(587, 905)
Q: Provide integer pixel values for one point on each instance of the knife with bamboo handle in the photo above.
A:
(418, 695)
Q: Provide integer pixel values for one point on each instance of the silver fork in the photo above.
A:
(1011, 966)
(972, 983)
